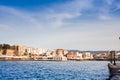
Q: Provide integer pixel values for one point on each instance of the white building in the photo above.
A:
(118, 55)
(79, 55)
(38, 51)
(87, 55)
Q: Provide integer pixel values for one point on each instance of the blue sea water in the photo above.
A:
(50, 70)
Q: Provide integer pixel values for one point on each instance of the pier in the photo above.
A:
(114, 71)
(114, 68)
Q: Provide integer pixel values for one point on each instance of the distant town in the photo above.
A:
(25, 53)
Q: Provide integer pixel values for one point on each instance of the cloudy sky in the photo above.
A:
(69, 24)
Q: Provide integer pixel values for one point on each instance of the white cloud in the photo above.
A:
(107, 11)
(104, 17)
(59, 13)
(96, 36)
(57, 19)
(103, 13)
(19, 14)
(86, 34)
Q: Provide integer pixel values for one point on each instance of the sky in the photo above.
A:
(67, 24)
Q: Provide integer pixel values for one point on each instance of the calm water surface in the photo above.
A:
(46, 70)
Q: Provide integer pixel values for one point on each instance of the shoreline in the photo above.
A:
(56, 60)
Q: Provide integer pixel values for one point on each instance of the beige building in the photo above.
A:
(1, 52)
(20, 50)
(57, 55)
(60, 51)
(10, 52)
(118, 55)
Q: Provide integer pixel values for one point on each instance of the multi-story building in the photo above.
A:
(59, 56)
(60, 51)
(20, 50)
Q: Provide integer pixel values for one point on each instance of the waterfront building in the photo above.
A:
(65, 52)
(20, 50)
(101, 56)
(38, 51)
(10, 52)
(79, 55)
(50, 53)
(59, 56)
(1, 52)
(60, 51)
(53, 53)
(118, 55)
(33, 50)
(71, 55)
(87, 55)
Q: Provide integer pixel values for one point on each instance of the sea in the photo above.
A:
(54, 70)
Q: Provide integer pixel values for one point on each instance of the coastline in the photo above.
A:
(53, 60)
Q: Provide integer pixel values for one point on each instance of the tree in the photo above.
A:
(0, 46)
(30, 55)
(4, 52)
(6, 46)
(25, 53)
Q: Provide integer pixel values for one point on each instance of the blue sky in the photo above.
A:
(68, 24)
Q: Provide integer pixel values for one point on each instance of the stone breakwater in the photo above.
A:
(116, 77)
(114, 71)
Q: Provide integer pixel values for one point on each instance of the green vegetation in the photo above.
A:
(26, 53)
(4, 52)
(30, 55)
(0, 46)
(5, 47)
